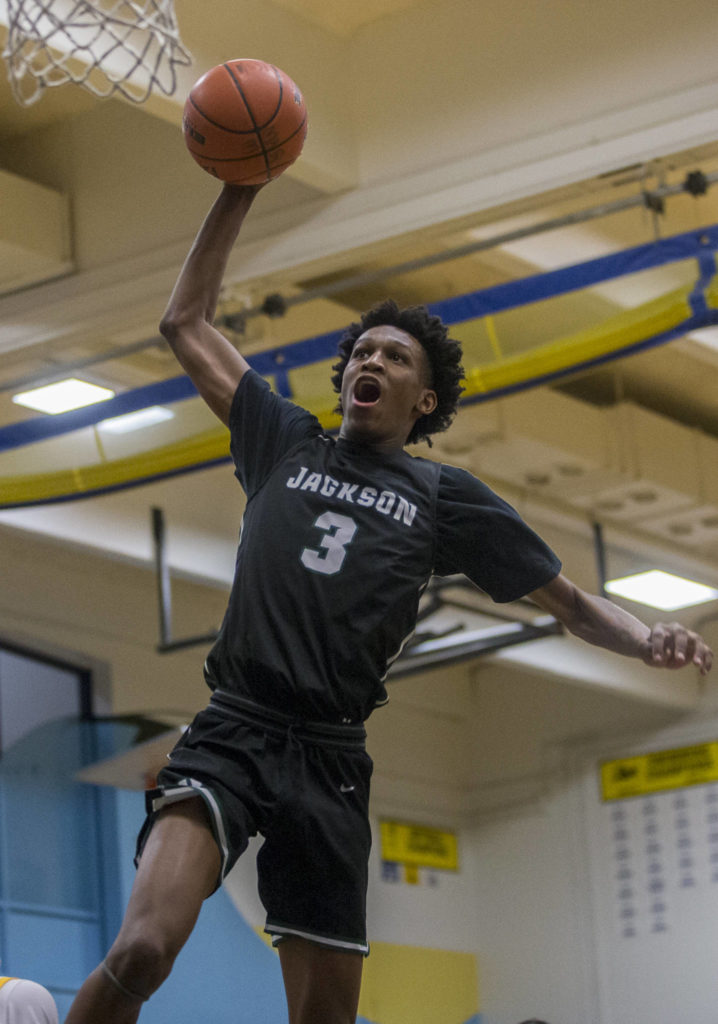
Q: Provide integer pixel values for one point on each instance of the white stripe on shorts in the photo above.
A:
(189, 788)
(282, 931)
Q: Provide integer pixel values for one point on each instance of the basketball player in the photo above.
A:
(340, 537)
(26, 1002)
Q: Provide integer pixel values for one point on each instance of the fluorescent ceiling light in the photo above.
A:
(661, 590)
(63, 395)
(136, 420)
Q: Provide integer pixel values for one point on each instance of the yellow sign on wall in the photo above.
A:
(659, 771)
(419, 846)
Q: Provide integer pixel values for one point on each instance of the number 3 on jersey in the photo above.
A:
(339, 531)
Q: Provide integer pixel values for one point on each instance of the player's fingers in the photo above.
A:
(703, 657)
(657, 644)
(679, 643)
(673, 646)
(696, 650)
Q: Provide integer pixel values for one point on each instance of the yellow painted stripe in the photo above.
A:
(711, 292)
(619, 332)
(79, 480)
(310, 389)
(493, 336)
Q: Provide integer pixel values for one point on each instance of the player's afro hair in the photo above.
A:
(444, 354)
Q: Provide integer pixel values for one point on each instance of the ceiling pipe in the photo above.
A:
(275, 305)
(696, 183)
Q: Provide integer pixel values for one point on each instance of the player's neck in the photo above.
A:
(370, 442)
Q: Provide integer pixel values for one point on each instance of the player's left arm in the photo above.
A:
(603, 623)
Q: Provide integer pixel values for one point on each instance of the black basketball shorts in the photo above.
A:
(305, 788)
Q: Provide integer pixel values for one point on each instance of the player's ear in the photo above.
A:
(427, 402)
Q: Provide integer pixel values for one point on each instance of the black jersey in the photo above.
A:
(338, 542)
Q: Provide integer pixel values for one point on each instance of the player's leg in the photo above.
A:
(178, 869)
(322, 985)
(313, 874)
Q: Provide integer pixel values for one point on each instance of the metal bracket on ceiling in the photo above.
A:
(428, 647)
(164, 593)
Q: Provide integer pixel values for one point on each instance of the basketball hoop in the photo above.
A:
(106, 46)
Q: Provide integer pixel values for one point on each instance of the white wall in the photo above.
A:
(530, 915)
(547, 913)
(102, 614)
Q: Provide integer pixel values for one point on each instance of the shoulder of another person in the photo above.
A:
(32, 994)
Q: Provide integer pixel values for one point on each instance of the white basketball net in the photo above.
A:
(107, 46)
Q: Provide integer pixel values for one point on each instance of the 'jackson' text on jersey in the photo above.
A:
(337, 544)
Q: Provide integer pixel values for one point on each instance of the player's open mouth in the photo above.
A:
(366, 391)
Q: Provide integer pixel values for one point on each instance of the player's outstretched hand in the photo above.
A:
(673, 646)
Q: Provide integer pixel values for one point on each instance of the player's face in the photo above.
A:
(385, 388)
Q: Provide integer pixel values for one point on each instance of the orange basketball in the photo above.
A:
(245, 122)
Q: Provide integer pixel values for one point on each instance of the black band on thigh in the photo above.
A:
(128, 993)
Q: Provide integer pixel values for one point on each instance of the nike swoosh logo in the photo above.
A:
(345, 789)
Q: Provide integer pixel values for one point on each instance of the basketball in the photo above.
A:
(245, 122)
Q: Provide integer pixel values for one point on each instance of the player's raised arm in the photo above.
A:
(601, 622)
(244, 122)
(209, 359)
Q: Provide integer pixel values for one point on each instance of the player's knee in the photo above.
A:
(141, 962)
